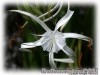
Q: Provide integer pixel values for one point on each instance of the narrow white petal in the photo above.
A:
(69, 50)
(51, 59)
(64, 20)
(68, 60)
(54, 14)
(62, 27)
(36, 34)
(62, 47)
(56, 6)
(25, 50)
(33, 18)
(77, 36)
(31, 44)
(40, 34)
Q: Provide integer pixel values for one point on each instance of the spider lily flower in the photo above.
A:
(53, 41)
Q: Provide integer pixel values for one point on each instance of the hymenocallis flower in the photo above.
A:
(53, 41)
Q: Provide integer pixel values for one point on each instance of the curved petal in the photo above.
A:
(64, 20)
(69, 50)
(56, 6)
(31, 44)
(54, 14)
(51, 59)
(77, 36)
(68, 60)
(61, 47)
(34, 18)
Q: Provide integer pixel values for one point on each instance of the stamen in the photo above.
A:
(24, 24)
(90, 44)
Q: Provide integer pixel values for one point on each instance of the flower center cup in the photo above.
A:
(51, 41)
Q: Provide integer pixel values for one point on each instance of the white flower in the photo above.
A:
(54, 41)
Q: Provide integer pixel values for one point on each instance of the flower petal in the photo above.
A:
(66, 52)
(25, 50)
(36, 34)
(31, 44)
(34, 18)
(69, 50)
(68, 60)
(77, 36)
(54, 14)
(56, 6)
(51, 59)
(64, 20)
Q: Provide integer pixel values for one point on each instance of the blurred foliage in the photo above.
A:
(82, 22)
